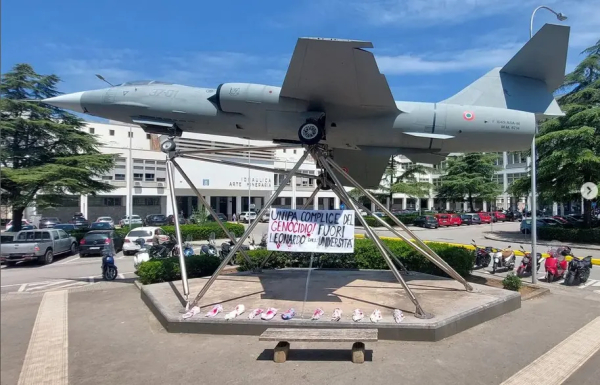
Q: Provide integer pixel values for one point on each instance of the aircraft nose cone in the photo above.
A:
(68, 102)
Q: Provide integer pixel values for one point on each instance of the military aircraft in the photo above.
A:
(334, 94)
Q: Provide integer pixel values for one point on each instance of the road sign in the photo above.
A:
(589, 191)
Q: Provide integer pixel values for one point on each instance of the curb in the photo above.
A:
(595, 261)
(572, 245)
(540, 290)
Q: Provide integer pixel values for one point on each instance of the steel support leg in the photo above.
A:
(308, 202)
(249, 230)
(210, 209)
(419, 312)
(184, 276)
(423, 248)
(390, 253)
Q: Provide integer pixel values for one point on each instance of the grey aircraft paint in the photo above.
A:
(338, 82)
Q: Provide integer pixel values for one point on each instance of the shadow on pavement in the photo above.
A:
(315, 355)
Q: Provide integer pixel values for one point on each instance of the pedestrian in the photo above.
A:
(233, 217)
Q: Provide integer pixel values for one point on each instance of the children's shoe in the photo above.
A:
(337, 314)
(255, 313)
(317, 314)
(398, 316)
(239, 309)
(376, 316)
(215, 310)
(195, 310)
(357, 315)
(291, 313)
(269, 314)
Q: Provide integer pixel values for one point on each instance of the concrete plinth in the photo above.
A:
(453, 308)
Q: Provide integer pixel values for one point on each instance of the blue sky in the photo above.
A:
(428, 49)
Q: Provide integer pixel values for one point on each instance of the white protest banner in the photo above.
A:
(311, 231)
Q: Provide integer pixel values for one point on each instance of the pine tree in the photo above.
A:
(470, 175)
(45, 154)
(568, 147)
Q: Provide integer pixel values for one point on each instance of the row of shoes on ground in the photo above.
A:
(358, 315)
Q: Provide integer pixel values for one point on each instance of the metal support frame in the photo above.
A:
(249, 230)
(420, 246)
(237, 164)
(326, 164)
(234, 149)
(184, 276)
(212, 212)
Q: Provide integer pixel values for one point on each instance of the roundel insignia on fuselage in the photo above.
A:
(468, 115)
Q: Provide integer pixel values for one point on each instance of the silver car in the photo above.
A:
(107, 220)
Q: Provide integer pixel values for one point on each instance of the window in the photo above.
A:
(112, 201)
(500, 160)
(63, 234)
(119, 176)
(107, 177)
(92, 130)
(55, 235)
(138, 177)
(46, 236)
(138, 161)
(149, 177)
(161, 179)
(111, 132)
(294, 151)
(516, 158)
(497, 178)
(130, 134)
(148, 136)
(284, 150)
(146, 201)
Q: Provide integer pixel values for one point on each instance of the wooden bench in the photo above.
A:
(285, 336)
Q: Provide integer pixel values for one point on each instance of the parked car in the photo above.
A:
(101, 226)
(80, 222)
(455, 220)
(222, 217)
(147, 233)
(37, 245)
(106, 219)
(513, 216)
(135, 220)
(182, 220)
(156, 220)
(526, 225)
(426, 221)
(48, 222)
(470, 219)
(68, 227)
(485, 217)
(94, 242)
(23, 227)
(23, 223)
(498, 216)
(247, 216)
(443, 219)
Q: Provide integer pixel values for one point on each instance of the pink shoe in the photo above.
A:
(318, 314)
(215, 310)
(254, 313)
(269, 314)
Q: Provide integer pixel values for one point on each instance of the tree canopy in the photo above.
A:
(45, 154)
(568, 147)
(470, 176)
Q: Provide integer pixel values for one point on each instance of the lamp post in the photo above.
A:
(130, 190)
(249, 191)
(560, 17)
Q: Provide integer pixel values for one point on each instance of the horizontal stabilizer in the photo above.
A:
(429, 135)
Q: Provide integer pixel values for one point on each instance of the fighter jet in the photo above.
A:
(334, 94)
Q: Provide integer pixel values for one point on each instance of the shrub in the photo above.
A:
(198, 232)
(570, 235)
(367, 256)
(512, 282)
(168, 269)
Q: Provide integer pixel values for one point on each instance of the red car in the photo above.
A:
(455, 220)
(499, 216)
(485, 217)
(443, 219)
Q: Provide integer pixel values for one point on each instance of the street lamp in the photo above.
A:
(560, 17)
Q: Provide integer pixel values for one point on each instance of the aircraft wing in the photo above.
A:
(366, 168)
(337, 72)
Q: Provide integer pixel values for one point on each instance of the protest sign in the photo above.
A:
(308, 231)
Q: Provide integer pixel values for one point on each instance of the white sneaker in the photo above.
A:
(398, 316)
(357, 315)
(376, 316)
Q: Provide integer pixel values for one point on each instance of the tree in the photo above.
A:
(470, 175)
(45, 154)
(568, 147)
(407, 182)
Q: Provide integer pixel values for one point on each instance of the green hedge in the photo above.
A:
(166, 270)
(367, 256)
(570, 235)
(407, 219)
(198, 232)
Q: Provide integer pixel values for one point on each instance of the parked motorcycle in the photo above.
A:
(504, 258)
(210, 248)
(483, 256)
(556, 264)
(109, 269)
(226, 248)
(526, 263)
(188, 249)
(578, 270)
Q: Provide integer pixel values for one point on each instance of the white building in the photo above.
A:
(225, 187)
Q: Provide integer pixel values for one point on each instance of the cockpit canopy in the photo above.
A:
(141, 83)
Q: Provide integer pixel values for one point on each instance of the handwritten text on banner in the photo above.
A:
(323, 231)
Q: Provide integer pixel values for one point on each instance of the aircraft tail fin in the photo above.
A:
(527, 81)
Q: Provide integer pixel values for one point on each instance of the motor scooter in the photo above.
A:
(504, 258)
(526, 263)
(483, 256)
(210, 248)
(556, 264)
(578, 270)
(109, 269)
